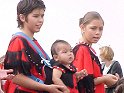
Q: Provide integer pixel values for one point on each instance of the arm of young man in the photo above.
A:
(26, 82)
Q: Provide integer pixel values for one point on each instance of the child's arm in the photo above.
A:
(26, 82)
(56, 79)
(108, 79)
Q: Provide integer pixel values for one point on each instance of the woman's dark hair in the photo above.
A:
(27, 6)
(54, 46)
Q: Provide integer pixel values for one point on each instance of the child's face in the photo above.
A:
(34, 20)
(92, 32)
(64, 54)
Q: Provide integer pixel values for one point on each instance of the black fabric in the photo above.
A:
(13, 60)
(34, 57)
(66, 77)
(116, 68)
(87, 83)
(52, 62)
(48, 73)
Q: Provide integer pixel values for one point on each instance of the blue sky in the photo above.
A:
(61, 22)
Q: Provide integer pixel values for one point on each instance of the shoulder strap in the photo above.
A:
(46, 62)
(102, 66)
(112, 67)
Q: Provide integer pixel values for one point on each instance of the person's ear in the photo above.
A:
(82, 27)
(55, 57)
(22, 17)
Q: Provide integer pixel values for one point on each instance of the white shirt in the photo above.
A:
(106, 69)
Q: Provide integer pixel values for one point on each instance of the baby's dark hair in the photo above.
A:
(120, 86)
(27, 6)
(89, 16)
(54, 46)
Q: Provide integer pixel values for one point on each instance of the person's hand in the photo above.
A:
(9, 76)
(80, 75)
(65, 90)
(56, 89)
(4, 74)
(116, 74)
(110, 79)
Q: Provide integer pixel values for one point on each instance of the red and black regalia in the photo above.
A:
(85, 58)
(68, 76)
(23, 58)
